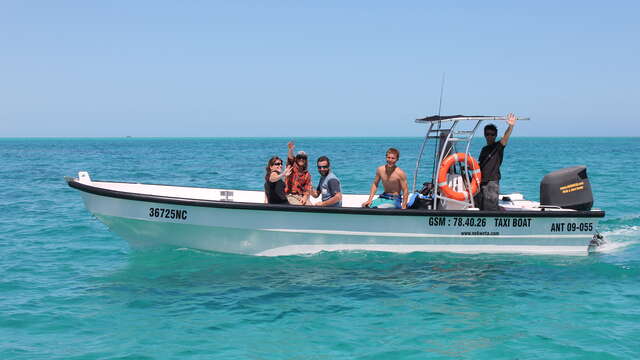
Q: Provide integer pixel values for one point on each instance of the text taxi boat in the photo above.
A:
(443, 218)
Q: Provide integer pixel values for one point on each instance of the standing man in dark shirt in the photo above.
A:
(490, 161)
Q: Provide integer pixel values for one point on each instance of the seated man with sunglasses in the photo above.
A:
(328, 186)
(490, 160)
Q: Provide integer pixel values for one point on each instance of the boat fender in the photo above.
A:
(476, 176)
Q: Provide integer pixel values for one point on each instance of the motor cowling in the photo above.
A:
(567, 188)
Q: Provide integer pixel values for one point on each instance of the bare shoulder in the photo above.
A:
(401, 172)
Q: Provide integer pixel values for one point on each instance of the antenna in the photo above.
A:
(437, 142)
(441, 92)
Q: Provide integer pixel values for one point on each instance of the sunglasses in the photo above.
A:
(277, 163)
(323, 167)
(489, 134)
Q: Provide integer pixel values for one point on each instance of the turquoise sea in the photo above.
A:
(70, 289)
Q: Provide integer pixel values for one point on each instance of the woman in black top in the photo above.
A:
(274, 183)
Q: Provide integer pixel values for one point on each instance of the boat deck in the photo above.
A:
(208, 194)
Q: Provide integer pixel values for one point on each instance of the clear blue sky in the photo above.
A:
(315, 68)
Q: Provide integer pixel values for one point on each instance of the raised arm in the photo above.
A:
(511, 120)
(291, 147)
(274, 176)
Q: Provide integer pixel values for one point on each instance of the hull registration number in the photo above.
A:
(168, 213)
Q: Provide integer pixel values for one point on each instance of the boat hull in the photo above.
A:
(271, 230)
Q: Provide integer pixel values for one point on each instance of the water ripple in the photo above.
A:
(73, 290)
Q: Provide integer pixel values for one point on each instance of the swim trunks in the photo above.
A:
(387, 201)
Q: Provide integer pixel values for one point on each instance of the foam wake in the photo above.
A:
(619, 238)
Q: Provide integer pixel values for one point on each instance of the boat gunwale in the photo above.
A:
(96, 190)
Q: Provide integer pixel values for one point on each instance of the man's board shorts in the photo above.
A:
(387, 201)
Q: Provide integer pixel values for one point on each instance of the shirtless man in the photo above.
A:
(394, 181)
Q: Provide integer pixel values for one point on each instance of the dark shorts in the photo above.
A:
(487, 198)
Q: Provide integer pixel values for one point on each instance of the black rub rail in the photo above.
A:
(314, 209)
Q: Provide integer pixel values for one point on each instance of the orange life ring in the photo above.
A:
(475, 178)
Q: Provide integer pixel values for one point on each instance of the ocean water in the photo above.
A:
(70, 289)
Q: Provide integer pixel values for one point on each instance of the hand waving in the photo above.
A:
(511, 119)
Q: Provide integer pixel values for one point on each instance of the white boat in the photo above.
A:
(238, 221)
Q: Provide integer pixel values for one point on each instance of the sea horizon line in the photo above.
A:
(290, 137)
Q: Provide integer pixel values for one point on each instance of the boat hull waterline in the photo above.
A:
(259, 229)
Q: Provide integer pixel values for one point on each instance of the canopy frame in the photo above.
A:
(444, 129)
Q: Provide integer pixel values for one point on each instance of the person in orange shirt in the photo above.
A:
(298, 183)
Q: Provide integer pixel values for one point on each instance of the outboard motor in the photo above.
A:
(567, 188)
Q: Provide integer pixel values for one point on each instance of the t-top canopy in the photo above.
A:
(463, 117)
